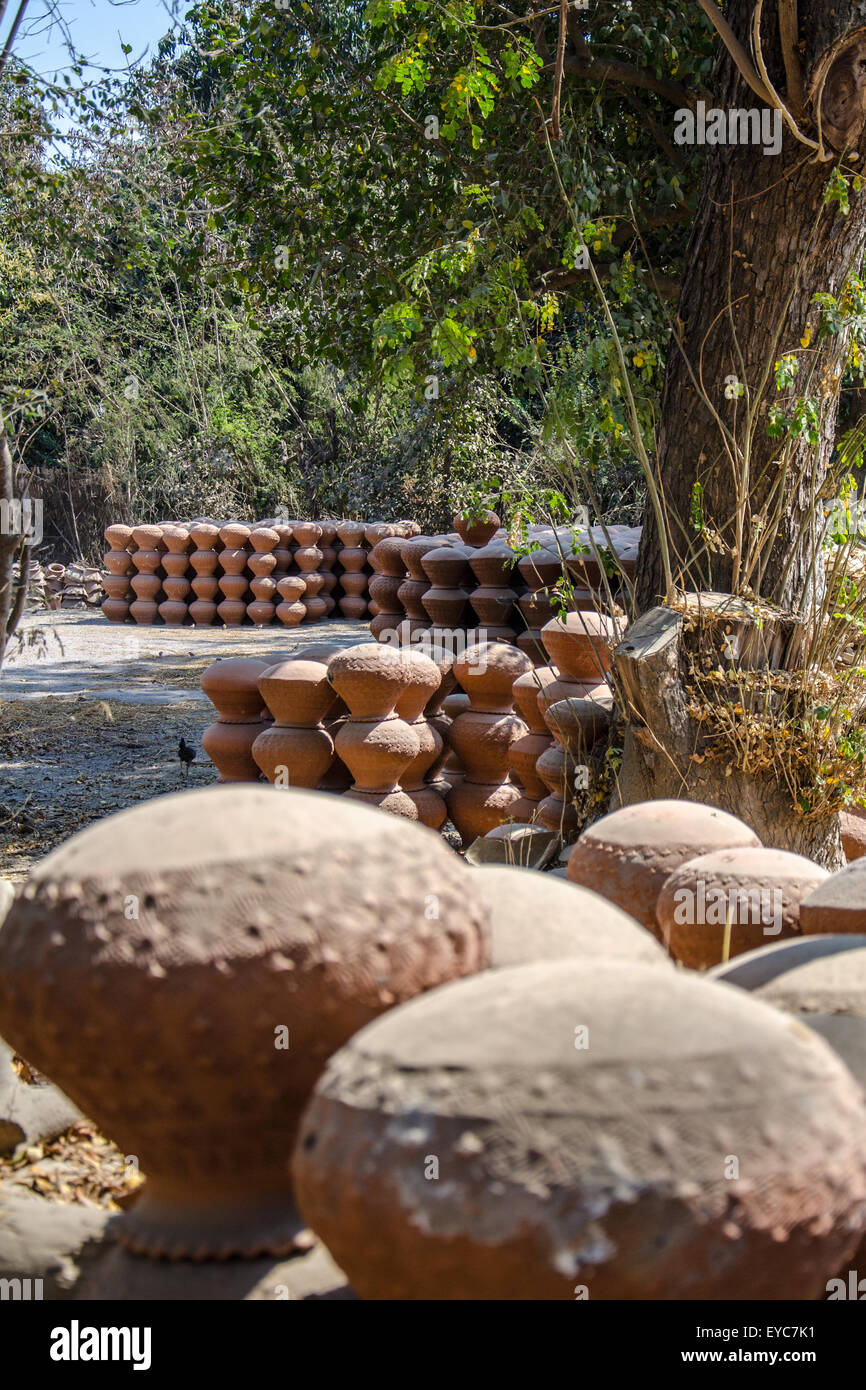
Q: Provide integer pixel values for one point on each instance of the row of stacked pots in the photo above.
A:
(561, 1114)
(473, 580)
(480, 737)
(270, 572)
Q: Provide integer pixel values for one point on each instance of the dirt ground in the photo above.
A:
(91, 714)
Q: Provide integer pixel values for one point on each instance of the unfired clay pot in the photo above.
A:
(232, 687)
(758, 891)
(580, 645)
(192, 1030)
(583, 1116)
(296, 750)
(477, 531)
(627, 855)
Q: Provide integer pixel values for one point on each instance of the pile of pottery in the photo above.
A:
(64, 586)
(271, 572)
(473, 582)
(468, 1083)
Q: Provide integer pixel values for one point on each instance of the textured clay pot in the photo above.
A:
(351, 533)
(386, 557)
(261, 612)
(482, 736)
(117, 536)
(427, 679)
(352, 607)
(118, 562)
(852, 824)
(202, 611)
(535, 917)
(232, 687)
(580, 645)
(601, 1168)
(306, 534)
(205, 586)
(477, 531)
(146, 586)
(117, 586)
(193, 1030)
(353, 559)
(757, 890)
(232, 611)
(371, 678)
(838, 904)
(173, 612)
(116, 610)
(143, 611)
(296, 750)
(627, 855)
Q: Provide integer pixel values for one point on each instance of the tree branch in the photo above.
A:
(603, 70)
(746, 67)
(13, 34)
(788, 34)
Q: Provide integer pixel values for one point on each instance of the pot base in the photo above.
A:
(224, 1228)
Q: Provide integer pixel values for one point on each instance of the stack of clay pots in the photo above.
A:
(268, 573)
(482, 736)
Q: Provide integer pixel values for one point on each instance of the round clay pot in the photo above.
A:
(143, 611)
(314, 608)
(177, 540)
(371, 678)
(477, 807)
(173, 613)
(176, 589)
(535, 917)
(229, 745)
(446, 567)
(232, 687)
(494, 565)
(298, 691)
(116, 610)
(487, 672)
(291, 614)
(477, 531)
(264, 588)
(118, 562)
(410, 594)
(355, 584)
(758, 890)
(245, 945)
(386, 557)
(233, 586)
(351, 533)
(353, 559)
(577, 725)
(291, 587)
(838, 904)
(234, 561)
(234, 536)
(174, 564)
(565, 1164)
(202, 611)
(353, 608)
(384, 589)
(376, 751)
(412, 552)
(541, 569)
(445, 607)
(792, 974)
(204, 536)
(146, 586)
(555, 691)
(580, 645)
(147, 561)
(482, 740)
(147, 537)
(264, 539)
(306, 534)
(523, 754)
(205, 586)
(299, 755)
(261, 612)
(261, 564)
(328, 531)
(204, 562)
(308, 558)
(117, 537)
(492, 605)
(116, 586)
(627, 855)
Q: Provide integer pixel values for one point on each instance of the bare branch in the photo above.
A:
(746, 67)
(602, 70)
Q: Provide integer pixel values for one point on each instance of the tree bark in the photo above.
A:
(763, 243)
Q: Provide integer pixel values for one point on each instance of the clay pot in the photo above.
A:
(314, 608)
(291, 613)
(355, 584)
(541, 569)
(805, 975)
(386, 557)
(232, 688)
(352, 607)
(493, 606)
(147, 537)
(233, 586)
(477, 531)
(263, 539)
(476, 1073)
(481, 738)
(494, 565)
(176, 589)
(409, 595)
(445, 607)
(852, 825)
(371, 678)
(413, 551)
(580, 645)
(556, 691)
(116, 610)
(353, 559)
(446, 567)
(384, 589)
(118, 562)
(175, 565)
(143, 612)
(204, 562)
(837, 904)
(535, 917)
(177, 541)
(306, 534)
(173, 612)
(116, 586)
(261, 564)
(351, 533)
(291, 587)
(487, 673)
(234, 561)
(147, 561)
(234, 535)
(376, 752)
(296, 750)
(146, 586)
(205, 586)
(264, 588)
(204, 536)
(308, 558)
(261, 612)
(757, 890)
(117, 536)
(245, 945)
(627, 855)
(202, 611)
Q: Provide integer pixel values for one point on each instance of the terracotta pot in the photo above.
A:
(233, 561)
(376, 751)
(261, 564)
(175, 565)
(523, 754)
(453, 1074)
(283, 562)
(838, 904)
(315, 608)
(147, 561)
(294, 756)
(409, 595)
(559, 690)
(204, 562)
(375, 533)
(264, 589)
(147, 537)
(328, 532)
(541, 569)
(116, 610)
(477, 531)
(177, 540)
(146, 586)
(524, 693)
(355, 584)
(536, 608)
(202, 611)
(264, 540)
(446, 567)
(116, 586)
(577, 725)
(493, 605)
(353, 559)
(580, 645)
(143, 611)
(298, 691)
(291, 614)
(494, 565)
(245, 943)
(232, 688)
(176, 590)
(445, 607)
(487, 673)
(329, 556)
(261, 612)
(371, 678)
(627, 855)
(313, 583)
(234, 536)
(758, 891)
(118, 562)
(204, 536)
(352, 607)
(412, 552)
(351, 533)
(229, 745)
(852, 826)
(308, 558)
(307, 533)
(117, 536)
(386, 557)
(205, 586)
(291, 587)
(173, 612)
(233, 586)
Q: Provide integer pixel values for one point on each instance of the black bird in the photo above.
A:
(186, 756)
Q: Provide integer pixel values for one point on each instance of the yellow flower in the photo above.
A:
(806, 338)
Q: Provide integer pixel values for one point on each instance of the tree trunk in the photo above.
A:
(11, 594)
(763, 244)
